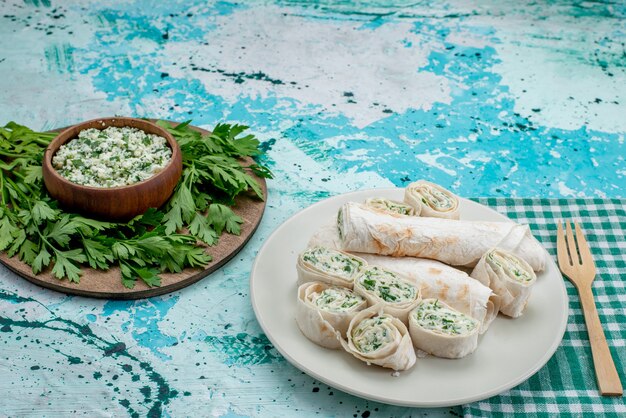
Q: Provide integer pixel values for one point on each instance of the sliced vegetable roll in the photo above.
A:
(435, 279)
(442, 331)
(324, 310)
(329, 266)
(378, 338)
(390, 206)
(509, 276)
(458, 243)
(449, 285)
(396, 294)
(432, 200)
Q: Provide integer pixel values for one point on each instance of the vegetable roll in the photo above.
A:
(432, 200)
(442, 331)
(440, 281)
(435, 279)
(378, 338)
(509, 276)
(323, 310)
(329, 266)
(390, 206)
(458, 243)
(379, 286)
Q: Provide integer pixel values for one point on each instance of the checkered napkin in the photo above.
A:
(566, 385)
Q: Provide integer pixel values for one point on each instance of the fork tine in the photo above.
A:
(583, 247)
(571, 244)
(561, 249)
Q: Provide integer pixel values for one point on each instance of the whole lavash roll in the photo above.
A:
(379, 338)
(454, 242)
(435, 279)
(509, 276)
(324, 310)
(432, 200)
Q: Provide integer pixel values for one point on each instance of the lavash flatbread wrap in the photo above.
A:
(440, 281)
(435, 279)
(509, 276)
(324, 310)
(378, 338)
(390, 206)
(390, 290)
(430, 199)
(442, 331)
(454, 242)
(328, 265)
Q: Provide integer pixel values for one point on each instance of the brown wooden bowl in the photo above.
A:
(113, 203)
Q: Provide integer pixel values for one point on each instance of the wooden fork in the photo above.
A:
(581, 270)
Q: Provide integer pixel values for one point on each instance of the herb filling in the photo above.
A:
(332, 262)
(435, 198)
(387, 286)
(433, 316)
(511, 266)
(373, 333)
(112, 157)
(389, 206)
(336, 299)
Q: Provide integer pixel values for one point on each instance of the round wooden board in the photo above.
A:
(108, 284)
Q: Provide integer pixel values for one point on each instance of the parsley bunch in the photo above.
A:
(34, 228)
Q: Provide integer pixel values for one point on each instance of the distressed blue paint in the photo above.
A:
(144, 317)
(436, 129)
(202, 346)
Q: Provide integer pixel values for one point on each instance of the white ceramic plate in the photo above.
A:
(508, 353)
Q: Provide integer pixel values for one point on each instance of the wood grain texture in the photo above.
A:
(112, 203)
(108, 284)
(576, 263)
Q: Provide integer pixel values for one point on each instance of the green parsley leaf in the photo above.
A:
(65, 264)
(42, 260)
(20, 237)
(200, 228)
(33, 174)
(222, 217)
(41, 212)
(28, 252)
(197, 257)
(98, 255)
(7, 232)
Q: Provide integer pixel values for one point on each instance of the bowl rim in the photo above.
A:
(48, 154)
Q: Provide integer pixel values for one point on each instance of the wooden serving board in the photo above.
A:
(108, 284)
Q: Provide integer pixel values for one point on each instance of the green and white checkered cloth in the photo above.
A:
(566, 385)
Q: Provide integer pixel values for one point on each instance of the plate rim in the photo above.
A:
(424, 404)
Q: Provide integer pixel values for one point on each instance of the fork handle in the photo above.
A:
(606, 374)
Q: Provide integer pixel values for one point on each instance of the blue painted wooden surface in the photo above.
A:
(495, 99)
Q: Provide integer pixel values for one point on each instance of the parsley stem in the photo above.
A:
(20, 192)
(45, 142)
(21, 176)
(43, 238)
(4, 202)
(14, 205)
(9, 154)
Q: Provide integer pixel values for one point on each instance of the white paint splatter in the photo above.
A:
(431, 159)
(562, 84)
(466, 39)
(332, 64)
